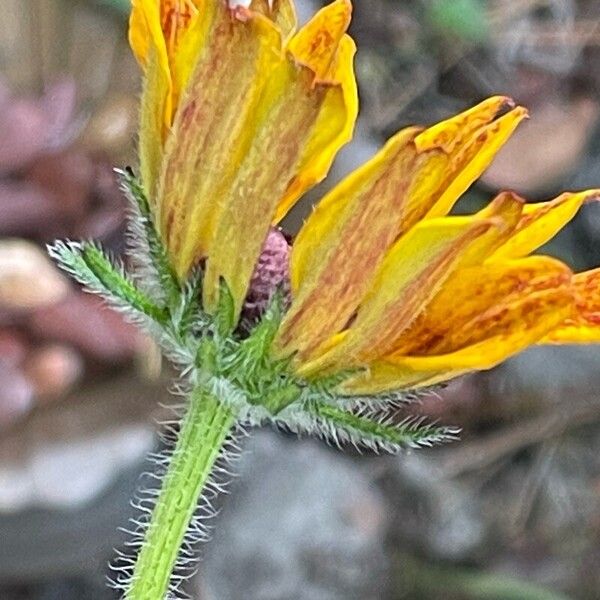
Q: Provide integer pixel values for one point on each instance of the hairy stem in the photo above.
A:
(204, 430)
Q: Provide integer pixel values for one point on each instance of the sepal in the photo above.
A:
(89, 265)
(379, 433)
(145, 245)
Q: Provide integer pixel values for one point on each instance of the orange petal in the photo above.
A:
(316, 44)
(344, 240)
(472, 297)
(497, 337)
(541, 222)
(470, 160)
(411, 273)
(583, 325)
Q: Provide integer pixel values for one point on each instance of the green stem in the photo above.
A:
(204, 430)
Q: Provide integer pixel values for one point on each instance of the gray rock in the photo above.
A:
(303, 523)
(439, 517)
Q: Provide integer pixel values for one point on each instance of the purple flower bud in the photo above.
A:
(271, 273)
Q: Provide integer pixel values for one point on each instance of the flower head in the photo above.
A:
(242, 113)
(381, 292)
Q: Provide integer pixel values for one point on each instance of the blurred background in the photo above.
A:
(511, 512)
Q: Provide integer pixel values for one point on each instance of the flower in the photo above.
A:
(242, 113)
(239, 117)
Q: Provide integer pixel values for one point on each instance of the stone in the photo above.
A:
(53, 370)
(16, 396)
(86, 323)
(28, 280)
(27, 210)
(13, 347)
(434, 515)
(302, 523)
(68, 177)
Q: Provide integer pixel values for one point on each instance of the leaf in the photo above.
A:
(88, 264)
(191, 313)
(464, 18)
(378, 433)
(225, 317)
(276, 400)
(145, 236)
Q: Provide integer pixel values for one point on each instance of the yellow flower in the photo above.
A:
(241, 114)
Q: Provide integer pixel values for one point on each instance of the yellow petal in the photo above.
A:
(470, 161)
(148, 44)
(145, 32)
(541, 222)
(344, 240)
(323, 46)
(316, 44)
(363, 240)
(411, 273)
(473, 297)
(504, 212)
(499, 334)
(156, 33)
(334, 130)
(583, 324)
(520, 325)
(155, 103)
(382, 377)
(177, 16)
(190, 44)
(213, 129)
(342, 243)
(237, 140)
(162, 27)
(290, 114)
(506, 206)
(281, 12)
(366, 206)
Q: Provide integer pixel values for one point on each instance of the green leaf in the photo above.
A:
(382, 433)
(191, 309)
(464, 18)
(258, 344)
(207, 356)
(157, 252)
(225, 318)
(276, 400)
(93, 269)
